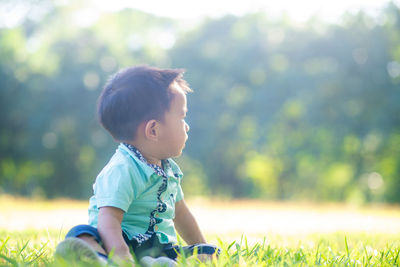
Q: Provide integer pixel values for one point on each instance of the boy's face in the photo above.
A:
(173, 134)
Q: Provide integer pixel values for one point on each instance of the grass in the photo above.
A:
(36, 248)
(349, 248)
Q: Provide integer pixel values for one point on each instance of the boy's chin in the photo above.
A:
(178, 154)
(173, 155)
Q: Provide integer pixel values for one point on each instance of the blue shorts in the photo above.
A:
(151, 247)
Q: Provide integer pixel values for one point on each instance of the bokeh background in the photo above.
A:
(284, 107)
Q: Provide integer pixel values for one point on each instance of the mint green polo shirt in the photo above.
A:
(131, 185)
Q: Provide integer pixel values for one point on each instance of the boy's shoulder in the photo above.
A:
(124, 162)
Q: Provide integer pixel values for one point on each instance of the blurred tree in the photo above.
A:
(278, 111)
(322, 105)
(52, 70)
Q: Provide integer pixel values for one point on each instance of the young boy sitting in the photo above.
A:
(138, 200)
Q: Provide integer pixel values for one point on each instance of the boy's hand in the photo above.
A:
(109, 227)
(186, 224)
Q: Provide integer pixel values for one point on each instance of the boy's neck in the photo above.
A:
(148, 156)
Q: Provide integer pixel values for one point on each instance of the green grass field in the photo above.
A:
(35, 247)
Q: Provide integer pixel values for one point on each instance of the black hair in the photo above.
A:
(134, 95)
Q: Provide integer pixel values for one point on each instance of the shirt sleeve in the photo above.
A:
(114, 188)
(179, 193)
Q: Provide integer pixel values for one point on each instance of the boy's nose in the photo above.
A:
(187, 128)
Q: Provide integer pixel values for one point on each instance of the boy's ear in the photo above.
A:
(151, 130)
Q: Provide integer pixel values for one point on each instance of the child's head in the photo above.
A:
(137, 95)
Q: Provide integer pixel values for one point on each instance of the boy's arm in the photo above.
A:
(109, 227)
(186, 224)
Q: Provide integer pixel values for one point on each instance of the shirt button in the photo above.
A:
(156, 228)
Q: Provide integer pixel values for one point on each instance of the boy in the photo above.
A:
(138, 201)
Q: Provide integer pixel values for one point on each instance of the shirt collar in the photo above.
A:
(168, 164)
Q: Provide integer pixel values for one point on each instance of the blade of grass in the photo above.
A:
(22, 249)
(4, 243)
(39, 253)
(13, 262)
(347, 247)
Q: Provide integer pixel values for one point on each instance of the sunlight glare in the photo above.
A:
(298, 11)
